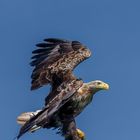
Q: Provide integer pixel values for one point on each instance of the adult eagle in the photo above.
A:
(53, 63)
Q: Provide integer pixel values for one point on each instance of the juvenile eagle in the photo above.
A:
(53, 63)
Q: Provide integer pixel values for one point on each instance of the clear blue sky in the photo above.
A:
(110, 28)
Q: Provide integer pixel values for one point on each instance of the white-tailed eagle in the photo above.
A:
(53, 63)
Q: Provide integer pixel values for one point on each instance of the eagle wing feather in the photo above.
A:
(55, 60)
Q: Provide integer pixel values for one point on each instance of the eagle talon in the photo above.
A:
(81, 134)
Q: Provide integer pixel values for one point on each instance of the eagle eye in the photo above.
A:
(98, 83)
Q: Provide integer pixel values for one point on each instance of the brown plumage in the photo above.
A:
(55, 60)
(53, 63)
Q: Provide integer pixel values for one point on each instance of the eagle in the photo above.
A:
(53, 63)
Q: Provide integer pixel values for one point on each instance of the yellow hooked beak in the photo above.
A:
(104, 86)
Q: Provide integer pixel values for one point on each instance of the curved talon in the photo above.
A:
(81, 134)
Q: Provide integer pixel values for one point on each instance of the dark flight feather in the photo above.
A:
(56, 40)
(46, 45)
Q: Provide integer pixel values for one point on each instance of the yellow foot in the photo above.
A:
(81, 134)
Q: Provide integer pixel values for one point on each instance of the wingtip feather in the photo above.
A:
(56, 40)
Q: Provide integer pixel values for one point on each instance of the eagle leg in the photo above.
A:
(71, 132)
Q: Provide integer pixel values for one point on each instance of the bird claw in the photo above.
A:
(81, 134)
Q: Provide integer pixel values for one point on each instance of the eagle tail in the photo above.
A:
(27, 127)
(27, 120)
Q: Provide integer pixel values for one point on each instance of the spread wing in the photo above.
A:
(64, 93)
(54, 61)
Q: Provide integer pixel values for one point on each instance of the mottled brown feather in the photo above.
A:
(56, 57)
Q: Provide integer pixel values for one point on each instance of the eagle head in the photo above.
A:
(97, 85)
